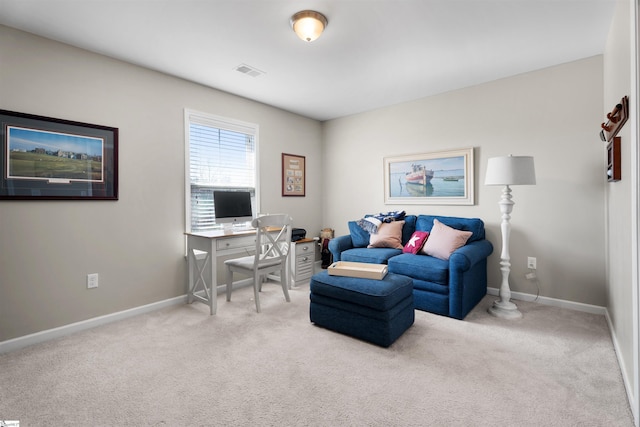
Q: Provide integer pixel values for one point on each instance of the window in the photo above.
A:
(220, 154)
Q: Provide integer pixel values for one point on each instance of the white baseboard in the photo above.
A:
(39, 337)
(628, 383)
(578, 306)
(49, 334)
(594, 309)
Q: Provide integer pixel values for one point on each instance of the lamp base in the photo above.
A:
(505, 310)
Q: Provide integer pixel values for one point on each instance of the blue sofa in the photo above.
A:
(448, 287)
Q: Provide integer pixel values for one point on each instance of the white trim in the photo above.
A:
(42, 336)
(187, 183)
(50, 334)
(219, 122)
(634, 120)
(578, 306)
(628, 386)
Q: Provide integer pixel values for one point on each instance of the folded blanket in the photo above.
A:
(371, 223)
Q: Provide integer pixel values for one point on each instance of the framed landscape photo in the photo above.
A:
(439, 178)
(44, 158)
(293, 175)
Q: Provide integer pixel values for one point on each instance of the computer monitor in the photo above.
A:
(232, 207)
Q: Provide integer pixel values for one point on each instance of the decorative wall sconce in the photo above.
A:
(615, 121)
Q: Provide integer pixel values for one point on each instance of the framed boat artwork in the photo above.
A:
(438, 178)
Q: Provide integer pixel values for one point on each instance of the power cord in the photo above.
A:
(533, 277)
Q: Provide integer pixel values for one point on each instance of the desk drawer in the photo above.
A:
(305, 248)
(235, 242)
(304, 267)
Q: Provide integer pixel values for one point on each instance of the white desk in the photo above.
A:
(203, 250)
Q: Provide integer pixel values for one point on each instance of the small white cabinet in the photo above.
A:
(304, 258)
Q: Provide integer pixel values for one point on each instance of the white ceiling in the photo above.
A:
(373, 53)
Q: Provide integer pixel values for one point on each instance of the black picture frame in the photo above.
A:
(44, 158)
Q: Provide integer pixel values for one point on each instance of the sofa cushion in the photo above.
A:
(416, 242)
(420, 267)
(359, 236)
(389, 235)
(443, 240)
(475, 225)
(409, 228)
(369, 255)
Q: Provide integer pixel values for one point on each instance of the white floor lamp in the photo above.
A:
(508, 170)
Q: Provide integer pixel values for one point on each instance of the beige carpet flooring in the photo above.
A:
(181, 367)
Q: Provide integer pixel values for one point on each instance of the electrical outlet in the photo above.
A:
(531, 262)
(92, 280)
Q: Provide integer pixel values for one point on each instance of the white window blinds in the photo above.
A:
(221, 154)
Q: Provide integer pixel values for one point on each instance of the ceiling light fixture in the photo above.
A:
(308, 24)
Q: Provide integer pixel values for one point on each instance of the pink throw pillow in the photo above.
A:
(443, 240)
(389, 235)
(415, 243)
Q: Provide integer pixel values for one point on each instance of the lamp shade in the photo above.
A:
(308, 24)
(510, 170)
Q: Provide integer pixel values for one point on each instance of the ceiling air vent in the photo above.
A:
(249, 70)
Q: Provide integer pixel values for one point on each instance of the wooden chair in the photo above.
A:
(273, 243)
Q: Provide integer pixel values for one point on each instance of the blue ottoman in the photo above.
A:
(377, 311)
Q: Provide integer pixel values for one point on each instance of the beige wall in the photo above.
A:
(136, 244)
(551, 114)
(621, 210)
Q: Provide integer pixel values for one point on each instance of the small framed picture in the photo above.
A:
(293, 175)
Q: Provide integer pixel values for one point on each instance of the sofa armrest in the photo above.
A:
(462, 259)
(468, 277)
(340, 244)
